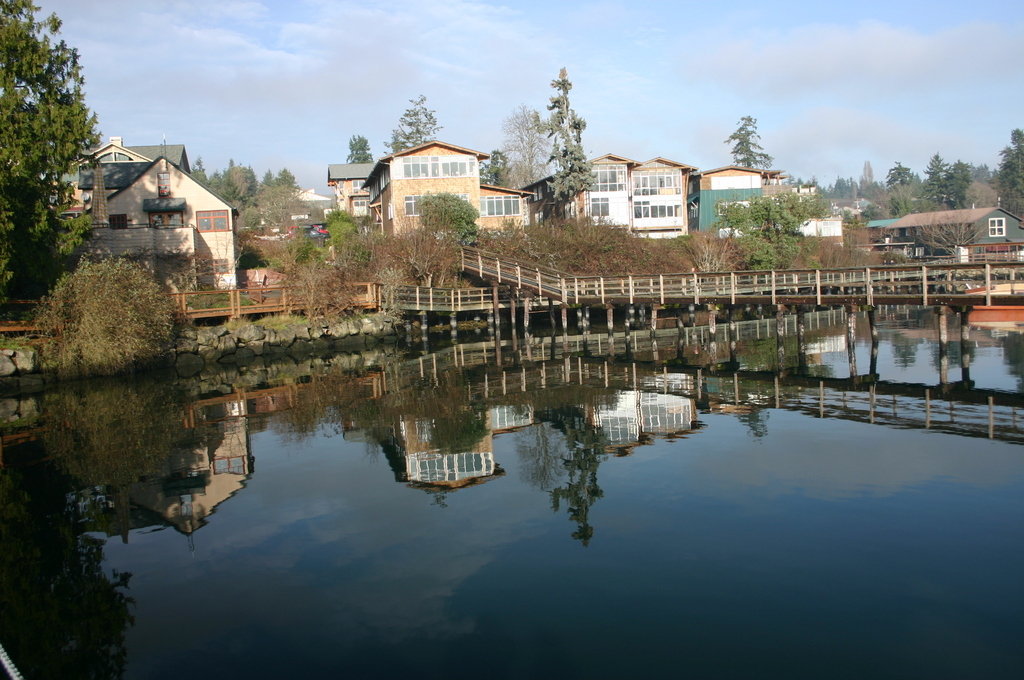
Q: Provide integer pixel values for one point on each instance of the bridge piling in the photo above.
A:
(780, 338)
(851, 340)
(942, 315)
(611, 320)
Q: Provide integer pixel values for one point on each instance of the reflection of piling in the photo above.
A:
(801, 337)
(851, 339)
(965, 348)
(942, 315)
(780, 337)
(874, 341)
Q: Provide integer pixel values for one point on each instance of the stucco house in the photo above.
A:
(399, 180)
(648, 198)
(153, 209)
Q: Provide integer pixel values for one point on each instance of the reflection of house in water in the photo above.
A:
(428, 465)
(195, 481)
(509, 417)
(635, 415)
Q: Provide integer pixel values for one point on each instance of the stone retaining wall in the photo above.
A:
(204, 348)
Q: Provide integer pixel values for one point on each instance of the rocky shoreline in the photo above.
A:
(200, 348)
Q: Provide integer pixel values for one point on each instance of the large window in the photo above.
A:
(997, 226)
(654, 183)
(420, 167)
(644, 209)
(609, 178)
(212, 220)
(165, 219)
(599, 207)
(118, 221)
(163, 184)
(499, 206)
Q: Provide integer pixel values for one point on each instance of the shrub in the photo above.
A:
(106, 317)
(449, 213)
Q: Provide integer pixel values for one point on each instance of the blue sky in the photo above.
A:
(285, 84)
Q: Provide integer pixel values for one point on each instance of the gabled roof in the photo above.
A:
(507, 190)
(965, 215)
(614, 159)
(336, 171)
(665, 161)
(760, 171)
(115, 175)
(175, 153)
(379, 165)
(480, 155)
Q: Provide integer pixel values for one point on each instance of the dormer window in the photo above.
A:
(163, 184)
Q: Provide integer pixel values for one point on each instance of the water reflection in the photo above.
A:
(466, 424)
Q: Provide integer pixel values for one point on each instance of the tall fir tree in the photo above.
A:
(495, 171)
(417, 125)
(573, 172)
(936, 181)
(46, 130)
(1010, 175)
(898, 175)
(958, 182)
(359, 150)
(746, 150)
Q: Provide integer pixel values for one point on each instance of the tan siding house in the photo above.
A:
(398, 182)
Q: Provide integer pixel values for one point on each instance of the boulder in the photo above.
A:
(250, 333)
(25, 360)
(188, 364)
(7, 367)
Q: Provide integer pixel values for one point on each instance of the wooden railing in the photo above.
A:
(966, 284)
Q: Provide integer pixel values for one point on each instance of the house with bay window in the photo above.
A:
(647, 198)
(154, 209)
(399, 181)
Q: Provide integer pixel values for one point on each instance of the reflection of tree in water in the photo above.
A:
(756, 421)
(904, 349)
(61, 616)
(584, 447)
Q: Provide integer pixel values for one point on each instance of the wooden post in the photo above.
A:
(512, 313)
(942, 313)
(661, 287)
(988, 284)
(801, 337)
(867, 284)
(654, 319)
(712, 320)
(611, 319)
(817, 285)
(631, 290)
(924, 285)
(526, 316)
(495, 307)
(696, 289)
(732, 287)
(874, 341)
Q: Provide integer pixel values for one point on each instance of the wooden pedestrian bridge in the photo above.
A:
(511, 283)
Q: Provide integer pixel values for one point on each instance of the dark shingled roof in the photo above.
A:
(175, 153)
(115, 175)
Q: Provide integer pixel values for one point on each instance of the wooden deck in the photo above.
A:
(965, 285)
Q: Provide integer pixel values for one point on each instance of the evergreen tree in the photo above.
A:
(417, 125)
(495, 171)
(936, 181)
(46, 130)
(359, 150)
(899, 175)
(746, 150)
(199, 172)
(958, 182)
(573, 172)
(286, 179)
(1010, 175)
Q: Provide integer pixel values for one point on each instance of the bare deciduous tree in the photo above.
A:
(948, 232)
(527, 147)
(710, 253)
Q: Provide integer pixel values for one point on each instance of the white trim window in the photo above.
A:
(644, 210)
(600, 207)
(655, 183)
(609, 178)
(997, 226)
(433, 167)
(499, 206)
(412, 206)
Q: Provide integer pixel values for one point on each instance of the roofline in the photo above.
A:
(741, 167)
(510, 190)
(628, 161)
(662, 159)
